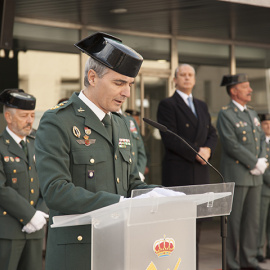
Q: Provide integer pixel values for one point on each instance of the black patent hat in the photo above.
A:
(111, 52)
(17, 98)
(264, 116)
(228, 80)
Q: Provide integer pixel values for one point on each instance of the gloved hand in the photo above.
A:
(261, 164)
(160, 192)
(28, 228)
(39, 220)
(255, 171)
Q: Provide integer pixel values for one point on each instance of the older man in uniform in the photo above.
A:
(84, 156)
(22, 208)
(243, 161)
(264, 231)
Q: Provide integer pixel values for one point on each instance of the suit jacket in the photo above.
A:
(243, 142)
(180, 166)
(138, 150)
(81, 170)
(20, 196)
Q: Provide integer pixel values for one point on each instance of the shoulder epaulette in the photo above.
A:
(61, 105)
(224, 108)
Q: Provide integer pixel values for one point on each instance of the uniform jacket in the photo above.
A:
(138, 150)
(179, 165)
(243, 142)
(20, 196)
(266, 175)
(80, 170)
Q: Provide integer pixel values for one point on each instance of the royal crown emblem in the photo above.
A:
(164, 247)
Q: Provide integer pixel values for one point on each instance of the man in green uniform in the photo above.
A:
(264, 231)
(138, 150)
(243, 161)
(22, 209)
(83, 150)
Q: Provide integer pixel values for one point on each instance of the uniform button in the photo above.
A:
(117, 180)
(92, 160)
(244, 139)
(80, 238)
(244, 132)
(266, 156)
(32, 191)
(32, 179)
(187, 125)
(256, 139)
(4, 213)
(254, 130)
(32, 202)
(237, 161)
(30, 168)
(267, 149)
(115, 157)
(130, 160)
(257, 147)
(21, 220)
(133, 153)
(14, 171)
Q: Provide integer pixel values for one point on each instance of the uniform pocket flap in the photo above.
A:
(89, 156)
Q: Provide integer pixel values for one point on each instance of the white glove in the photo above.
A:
(255, 171)
(39, 220)
(160, 192)
(28, 228)
(261, 164)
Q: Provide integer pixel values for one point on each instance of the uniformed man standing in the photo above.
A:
(264, 231)
(22, 209)
(138, 149)
(243, 161)
(84, 157)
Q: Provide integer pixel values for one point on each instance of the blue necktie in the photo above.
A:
(191, 105)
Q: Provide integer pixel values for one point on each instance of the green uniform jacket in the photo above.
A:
(138, 150)
(243, 142)
(19, 189)
(266, 175)
(80, 170)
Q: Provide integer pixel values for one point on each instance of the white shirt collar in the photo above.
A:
(267, 139)
(15, 137)
(184, 96)
(239, 106)
(97, 111)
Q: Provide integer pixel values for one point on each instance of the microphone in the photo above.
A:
(165, 129)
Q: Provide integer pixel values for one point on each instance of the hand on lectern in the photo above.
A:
(160, 192)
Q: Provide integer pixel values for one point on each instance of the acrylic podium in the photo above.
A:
(152, 233)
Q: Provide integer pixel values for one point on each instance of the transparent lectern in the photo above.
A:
(152, 233)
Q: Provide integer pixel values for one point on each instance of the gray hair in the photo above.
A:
(99, 68)
(9, 109)
(183, 65)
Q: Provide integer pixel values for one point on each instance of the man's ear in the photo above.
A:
(233, 91)
(92, 75)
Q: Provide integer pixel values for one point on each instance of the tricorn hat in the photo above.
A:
(264, 116)
(228, 80)
(111, 52)
(17, 98)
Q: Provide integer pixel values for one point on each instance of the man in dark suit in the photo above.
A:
(181, 166)
(189, 118)
(83, 150)
(22, 208)
(243, 161)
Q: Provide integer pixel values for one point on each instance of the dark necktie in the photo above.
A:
(108, 124)
(24, 147)
(191, 105)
